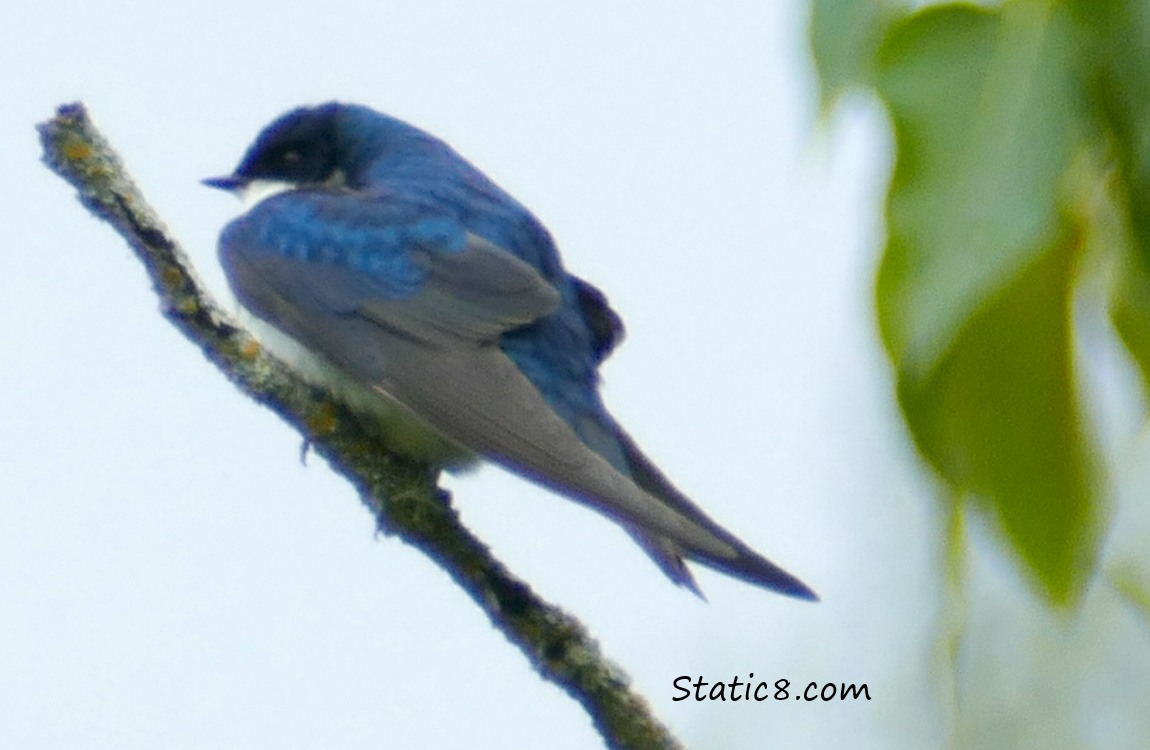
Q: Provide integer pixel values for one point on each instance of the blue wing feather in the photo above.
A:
(559, 353)
(333, 252)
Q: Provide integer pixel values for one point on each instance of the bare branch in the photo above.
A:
(401, 493)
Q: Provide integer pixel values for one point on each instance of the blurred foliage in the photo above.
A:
(1133, 587)
(1022, 134)
(845, 36)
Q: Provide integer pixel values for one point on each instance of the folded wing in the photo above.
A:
(413, 307)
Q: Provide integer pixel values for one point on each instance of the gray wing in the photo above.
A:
(435, 352)
(473, 295)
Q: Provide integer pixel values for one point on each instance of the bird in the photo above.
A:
(379, 262)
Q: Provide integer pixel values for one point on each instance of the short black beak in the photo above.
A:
(229, 182)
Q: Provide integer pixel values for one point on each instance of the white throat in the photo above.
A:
(260, 190)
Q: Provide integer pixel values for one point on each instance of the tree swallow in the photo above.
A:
(393, 271)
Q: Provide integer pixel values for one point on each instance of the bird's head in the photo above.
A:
(331, 145)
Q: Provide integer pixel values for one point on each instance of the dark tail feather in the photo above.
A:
(669, 558)
(753, 568)
(747, 565)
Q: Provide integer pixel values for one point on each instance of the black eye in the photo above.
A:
(293, 160)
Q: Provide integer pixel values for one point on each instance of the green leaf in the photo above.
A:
(844, 38)
(1121, 81)
(1130, 310)
(1123, 88)
(999, 418)
(974, 287)
(986, 115)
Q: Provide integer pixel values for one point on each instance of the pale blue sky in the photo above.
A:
(171, 576)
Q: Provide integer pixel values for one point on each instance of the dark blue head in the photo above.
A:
(331, 144)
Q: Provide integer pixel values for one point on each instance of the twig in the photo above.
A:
(400, 492)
